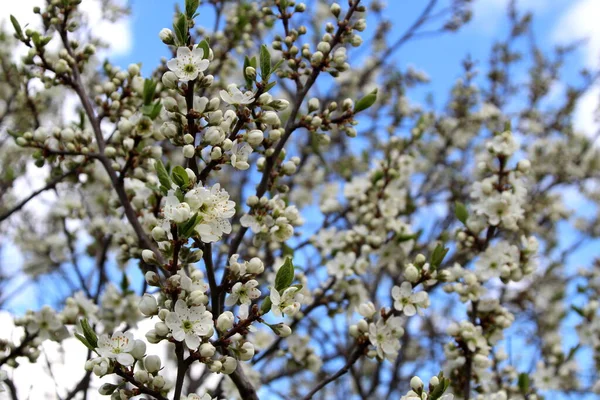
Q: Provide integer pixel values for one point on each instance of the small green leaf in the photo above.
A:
(285, 275)
(365, 102)
(124, 283)
(190, 8)
(246, 77)
(438, 255)
(186, 229)
(89, 333)
(149, 90)
(270, 86)
(180, 177)
(152, 110)
(265, 307)
(84, 341)
(265, 63)
(277, 65)
(205, 48)
(17, 26)
(460, 210)
(524, 383)
(163, 177)
(181, 30)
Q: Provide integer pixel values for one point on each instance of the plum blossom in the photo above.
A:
(234, 96)
(287, 303)
(188, 64)
(189, 323)
(407, 301)
(117, 347)
(243, 293)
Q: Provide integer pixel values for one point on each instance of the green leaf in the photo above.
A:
(17, 26)
(460, 210)
(152, 110)
(186, 229)
(524, 382)
(365, 102)
(180, 27)
(149, 90)
(84, 341)
(270, 86)
(265, 307)
(163, 177)
(277, 65)
(438, 255)
(180, 177)
(205, 48)
(285, 275)
(89, 333)
(253, 62)
(124, 283)
(190, 8)
(265, 63)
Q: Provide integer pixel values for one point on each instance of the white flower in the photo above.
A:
(214, 209)
(195, 396)
(407, 301)
(239, 155)
(117, 347)
(341, 265)
(386, 343)
(188, 64)
(243, 292)
(233, 95)
(287, 303)
(189, 323)
(176, 211)
(45, 323)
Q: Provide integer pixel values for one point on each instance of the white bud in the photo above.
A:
(255, 266)
(170, 80)
(139, 349)
(152, 363)
(158, 382)
(270, 117)
(148, 305)
(159, 234)
(189, 151)
(148, 256)
(225, 321)
(247, 351)
(411, 273)
(367, 310)
(166, 35)
(229, 365)
(282, 330)
(255, 137)
(416, 383)
(152, 278)
(207, 350)
(434, 381)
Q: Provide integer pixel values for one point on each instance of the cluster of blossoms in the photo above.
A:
(271, 219)
(437, 386)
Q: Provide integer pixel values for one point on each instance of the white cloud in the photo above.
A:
(580, 21)
(117, 34)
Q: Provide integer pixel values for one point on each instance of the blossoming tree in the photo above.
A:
(303, 230)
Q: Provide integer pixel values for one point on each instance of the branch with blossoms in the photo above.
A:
(296, 217)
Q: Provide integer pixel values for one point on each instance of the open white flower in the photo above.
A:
(243, 292)
(287, 303)
(189, 323)
(195, 396)
(117, 347)
(233, 95)
(188, 64)
(407, 301)
(175, 210)
(239, 155)
(385, 339)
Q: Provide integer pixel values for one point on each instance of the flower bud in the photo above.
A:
(255, 137)
(152, 363)
(152, 278)
(225, 321)
(158, 382)
(247, 351)
(416, 383)
(161, 329)
(207, 350)
(148, 305)
(434, 381)
(139, 349)
(250, 72)
(148, 256)
(189, 151)
(229, 365)
(166, 36)
(107, 388)
(169, 79)
(282, 330)
(255, 266)
(367, 310)
(411, 273)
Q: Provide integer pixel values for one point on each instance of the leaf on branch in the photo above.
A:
(460, 210)
(152, 110)
(205, 48)
(365, 102)
(163, 177)
(265, 307)
(285, 275)
(89, 333)
(190, 8)
(84, 341)
(186, 229)
(181, 30)
(265, 63)
(149, 90)
(524, 382)
(438, 255)
(180, 177)
(17, 26)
